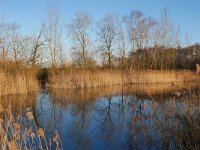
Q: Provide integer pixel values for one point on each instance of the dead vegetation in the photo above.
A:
(21, 132)
(16, 79)
(100, 78)
(19, 79)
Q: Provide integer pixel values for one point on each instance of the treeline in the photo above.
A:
(132, 41)
(159, 58)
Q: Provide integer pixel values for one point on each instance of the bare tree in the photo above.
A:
(38, 42)
(54, 35)
(16, 42)
(122, 46)
(79, 33)
(165, 28)
(107, 34)
(4, 38)
(12, 42)
(166, 35)
(187, 39)
(138, 28)
(164, 32)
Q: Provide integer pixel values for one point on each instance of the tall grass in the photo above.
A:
(21, 132)
(99, 78)
(17, 79)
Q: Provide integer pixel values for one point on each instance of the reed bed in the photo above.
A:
(18, 81)
(25, 80)
(100, 78)
(21, 132)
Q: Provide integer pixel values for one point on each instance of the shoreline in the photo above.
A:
(102, 78)
(26, 81)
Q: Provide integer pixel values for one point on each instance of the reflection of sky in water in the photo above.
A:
(112, 122)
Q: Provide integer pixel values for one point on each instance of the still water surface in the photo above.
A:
(113, 118)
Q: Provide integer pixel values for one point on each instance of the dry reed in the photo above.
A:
(18, 82)
(22, 132)
(100, 78)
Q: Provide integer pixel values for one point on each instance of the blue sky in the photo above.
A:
(30, 13)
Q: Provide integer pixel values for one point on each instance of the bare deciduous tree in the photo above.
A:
(106, 34)
(166, 36)
(54, 35)
(4, 38)
(12, 42)
(79, 33)
(38, 42)
(122, 46)
(138, 28)
(16, 42)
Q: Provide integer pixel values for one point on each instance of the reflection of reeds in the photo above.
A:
(181, 119)
(89, 94)
(187, 134)
(99, 78)
(22, 132)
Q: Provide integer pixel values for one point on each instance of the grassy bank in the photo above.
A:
(100, 78)
(18, 81)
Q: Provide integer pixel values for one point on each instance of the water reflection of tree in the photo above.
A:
(132, 139)
(48, 111)
(81, 117)
(107, 125)
(121, 114)
(162, 117)
(165, 118)
(175, 120)
(141, 134)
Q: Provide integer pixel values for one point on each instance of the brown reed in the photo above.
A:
(17, 133)
(18, 81)
(100, 78)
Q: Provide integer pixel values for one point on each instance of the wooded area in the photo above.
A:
(133, 41)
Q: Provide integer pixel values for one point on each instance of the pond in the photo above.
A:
(111, 118)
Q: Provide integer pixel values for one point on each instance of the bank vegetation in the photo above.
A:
(130, 49)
